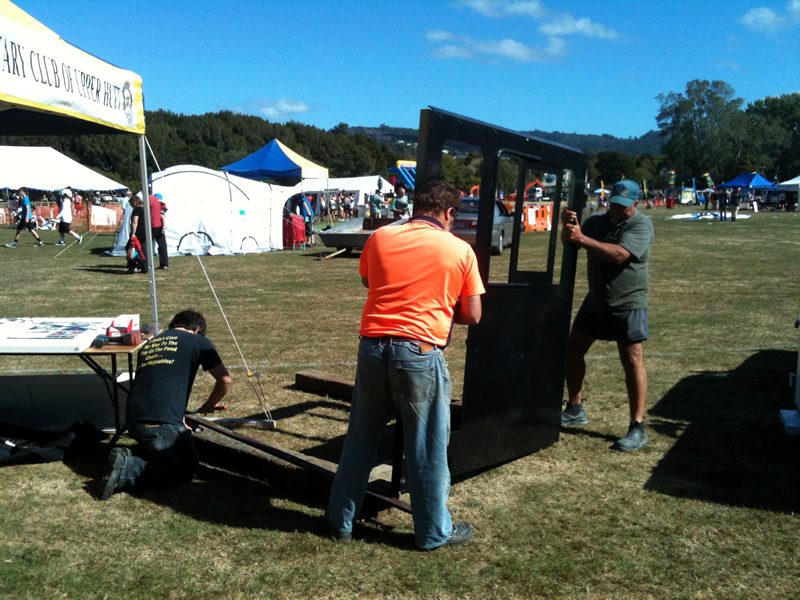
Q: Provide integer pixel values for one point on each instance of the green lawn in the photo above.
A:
(708, 510)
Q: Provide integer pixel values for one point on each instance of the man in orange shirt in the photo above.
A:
(420, 278)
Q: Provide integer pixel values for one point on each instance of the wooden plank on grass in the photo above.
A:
(298, 459)
(325, 384)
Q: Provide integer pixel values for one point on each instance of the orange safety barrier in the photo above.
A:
(538, 216)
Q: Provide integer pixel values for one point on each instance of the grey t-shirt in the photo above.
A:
(622, 286)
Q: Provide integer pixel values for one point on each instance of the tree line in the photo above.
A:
(704, 129)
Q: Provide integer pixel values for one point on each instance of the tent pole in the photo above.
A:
(148, 233)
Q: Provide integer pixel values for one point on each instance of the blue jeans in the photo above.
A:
(394, 377)
(167, 453)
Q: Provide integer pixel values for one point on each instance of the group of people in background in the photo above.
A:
(728, 200)
(396, 206)
(27, 219)
(339, 205)
(137, 259)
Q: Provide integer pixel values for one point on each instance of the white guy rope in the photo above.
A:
(259, 391)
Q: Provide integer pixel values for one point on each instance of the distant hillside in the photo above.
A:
(406, 138)
(649, 143)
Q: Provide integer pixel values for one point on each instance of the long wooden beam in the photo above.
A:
(292, 457)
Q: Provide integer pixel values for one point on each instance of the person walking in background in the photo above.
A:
(307, 212)
(64, 217)
(722, 204)
(420, 279)
(27, 219)
(157, 211)
(375, 204)
(347, 206)
(135, 248)
(734, 203)
(165, 372)
(617, 245)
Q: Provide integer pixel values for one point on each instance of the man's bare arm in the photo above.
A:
(221, 387)
(572, 233)
(468, 310)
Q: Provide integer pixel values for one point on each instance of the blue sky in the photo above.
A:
(585, 66)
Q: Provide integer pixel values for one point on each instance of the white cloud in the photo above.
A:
(450, 51)
(283, 109)
(437, 35)
(763, 20)
(552, 23)
(767, 21)
(555, 27)
(569, 25)
(733, 66)
(506, 49)
(505, 8)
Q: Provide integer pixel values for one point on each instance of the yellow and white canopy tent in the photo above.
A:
(50, 87)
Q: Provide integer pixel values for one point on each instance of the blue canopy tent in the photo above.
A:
(276, 160)
(752, 180)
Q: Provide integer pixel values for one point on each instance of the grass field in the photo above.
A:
(708, 510)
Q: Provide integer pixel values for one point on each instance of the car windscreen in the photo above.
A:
(470, 208)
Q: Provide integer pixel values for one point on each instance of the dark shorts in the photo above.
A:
(63, 227)
(617, 325)
(29, 225)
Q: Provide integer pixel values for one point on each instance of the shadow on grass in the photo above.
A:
(292, 410)
(581, 431)
(221, 497)
(731, 448)
(325, 253)
(118, 269)
(327, 449)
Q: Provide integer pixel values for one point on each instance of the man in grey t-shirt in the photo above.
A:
(617, 245)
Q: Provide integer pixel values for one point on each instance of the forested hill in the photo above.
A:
(216, 139)
(649, 143)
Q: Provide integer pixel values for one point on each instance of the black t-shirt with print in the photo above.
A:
(165, 373)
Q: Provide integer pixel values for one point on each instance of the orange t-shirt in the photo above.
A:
(416, 272)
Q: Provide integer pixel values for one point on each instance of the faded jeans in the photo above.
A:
(394, 377)
(166, 453)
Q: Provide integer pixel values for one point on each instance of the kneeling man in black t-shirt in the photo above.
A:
(165, 372)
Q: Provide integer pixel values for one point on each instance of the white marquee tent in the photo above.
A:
(792, 185)
(46, 169)
(213, 212)
(361, 186)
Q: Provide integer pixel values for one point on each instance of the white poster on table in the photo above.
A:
(49, 336)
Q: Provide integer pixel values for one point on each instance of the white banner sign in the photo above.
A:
(41, 71)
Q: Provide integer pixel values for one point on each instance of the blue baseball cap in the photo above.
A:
(625, 192)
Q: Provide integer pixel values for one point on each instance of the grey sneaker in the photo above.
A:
(633, 440)
(113, 472)
(574, 416)
(80, 239)
(11, 245)
(40, 243)
(462, 533)
(60, 243)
